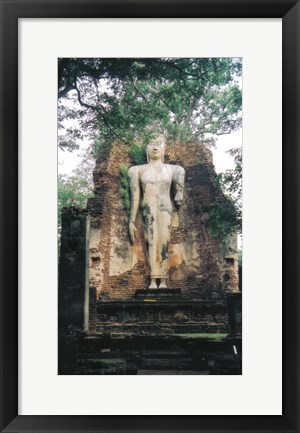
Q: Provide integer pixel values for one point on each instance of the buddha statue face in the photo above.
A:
(156, 149)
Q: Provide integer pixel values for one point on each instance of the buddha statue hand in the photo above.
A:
(132, 230)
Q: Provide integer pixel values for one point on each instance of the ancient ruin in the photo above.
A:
(105, 271)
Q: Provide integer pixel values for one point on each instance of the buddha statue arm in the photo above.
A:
(135, 193)
(178, 180)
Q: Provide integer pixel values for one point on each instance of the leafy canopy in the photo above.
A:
(132, 99)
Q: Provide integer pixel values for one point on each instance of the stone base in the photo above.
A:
(162, 314)
(158, 294)
(135, 355)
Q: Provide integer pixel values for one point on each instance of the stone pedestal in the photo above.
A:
(158, 294)
(161, 313)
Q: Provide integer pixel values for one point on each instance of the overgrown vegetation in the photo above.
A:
(138, 154)
(222, 219)
(225, 216)
(231, 183)
(125, 188)
(100, 149)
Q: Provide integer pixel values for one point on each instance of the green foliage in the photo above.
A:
(240, 257)
(222, 219)
(100, 149)
(125, 188)
(124, 171)
(134, 98)
(138, 154)
(129, 100)
(231, 183)
(74, 190)
(201, 336)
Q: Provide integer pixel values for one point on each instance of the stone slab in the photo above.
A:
(158, 294)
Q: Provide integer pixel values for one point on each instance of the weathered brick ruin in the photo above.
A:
(109, 321)
(201, 271)
(198, 265)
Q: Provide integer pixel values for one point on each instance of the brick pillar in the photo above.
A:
(73, 279)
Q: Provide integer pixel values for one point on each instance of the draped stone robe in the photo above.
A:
(151, 188)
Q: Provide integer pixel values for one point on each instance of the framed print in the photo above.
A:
(118, 342)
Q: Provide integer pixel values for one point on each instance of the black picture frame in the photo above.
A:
(11, 11)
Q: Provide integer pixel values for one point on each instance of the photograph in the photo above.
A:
(150, 216)
(149, 236)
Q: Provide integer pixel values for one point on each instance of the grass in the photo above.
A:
(208, 336)
(184, 336)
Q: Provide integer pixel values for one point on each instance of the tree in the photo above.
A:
(74, 190)
(130, 99)
(231, 182)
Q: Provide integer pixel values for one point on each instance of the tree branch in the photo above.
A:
(138, 91)
(66, 90)
(97, 109)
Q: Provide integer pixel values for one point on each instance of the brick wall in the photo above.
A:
(197, 263)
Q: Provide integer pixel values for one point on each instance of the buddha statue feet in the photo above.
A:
(163, 284)
(153, 284)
